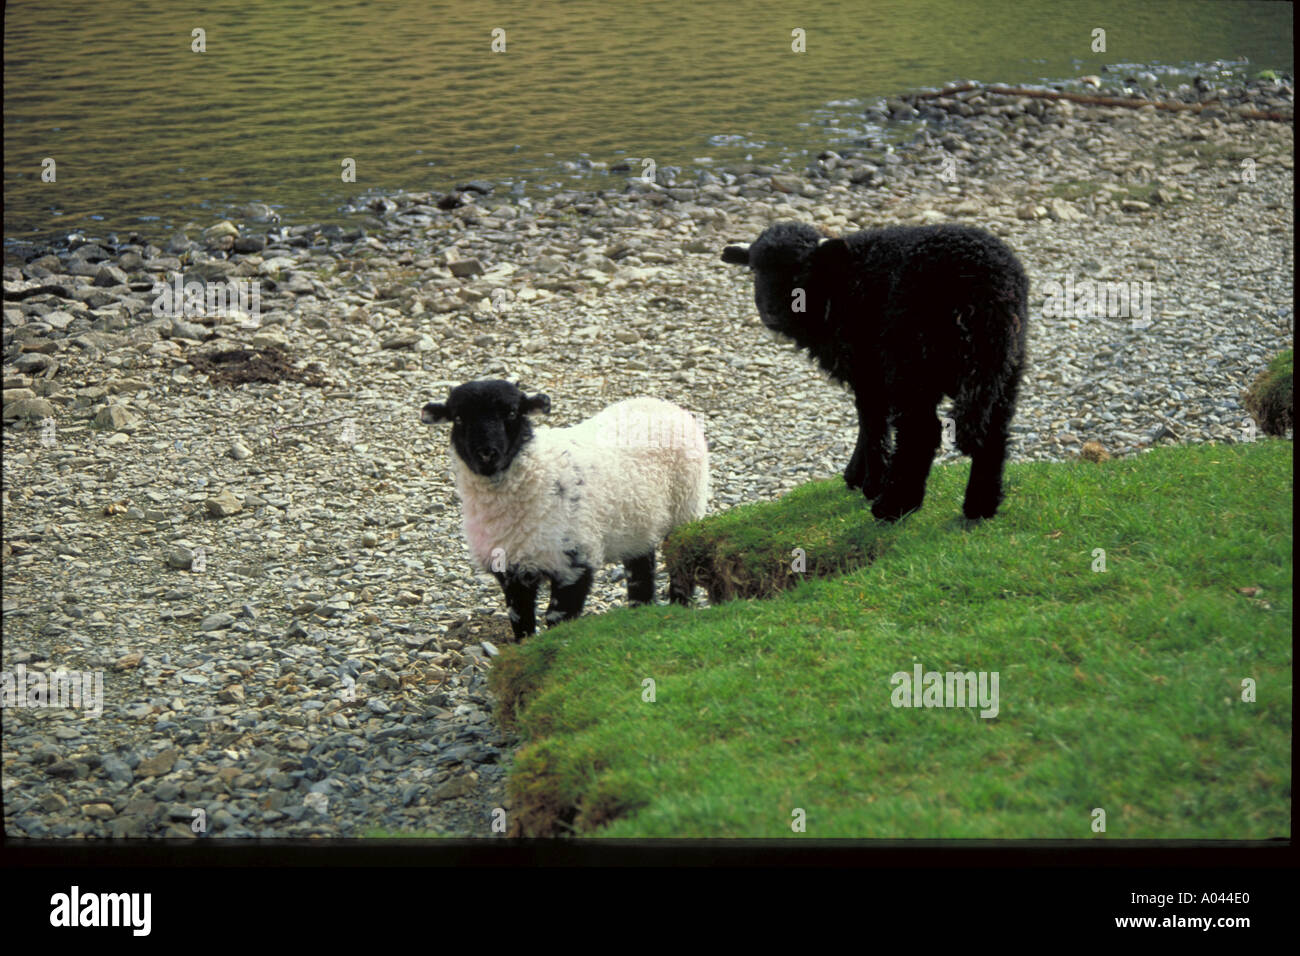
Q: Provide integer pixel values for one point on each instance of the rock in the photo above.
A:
(270, 338)
(1063, 211)
(188, 330)
(108, 276)
(99, 811)
(369, 539)
(157, 765)
(461, 786)
(224, 505)
(127, 661)
(180, 557)
(239, 451)
(318, 803)
(465, 268)
(249, 244)
(28, 408)
(403, 340)
(299, 284)
(1134, 205)
(66, 769)
(216, 622)
(119, 418)
(117, 769)
(223, 228)
(234, 694)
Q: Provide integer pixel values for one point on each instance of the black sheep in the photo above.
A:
(903, 316)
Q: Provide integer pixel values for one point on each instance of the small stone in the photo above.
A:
(465, 268)
(127, 661)
(239, 451)
(369, 539)
(37, 408)
(117, 769)
(99, 811)
(117, 417)
(217, 622)
(404, 340)
(180, 557)
(250, 244)
(157, 765)
(1063, 211)
(109, 276)
(224, 505)
(317, 802)
(234, 694)
(188, 330)
(271, 338)
(456, 787)
(223, 228)
(409, 597)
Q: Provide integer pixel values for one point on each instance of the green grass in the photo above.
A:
(1074, 189)
(1119, 690)
(1271, 397)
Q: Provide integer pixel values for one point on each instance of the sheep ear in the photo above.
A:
(831, 254)
(537, 403)
(433, 413)
(737, 255)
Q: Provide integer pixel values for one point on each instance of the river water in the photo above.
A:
(147, 134)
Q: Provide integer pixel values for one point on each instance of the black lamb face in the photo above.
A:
(781, 259)
(489, 423)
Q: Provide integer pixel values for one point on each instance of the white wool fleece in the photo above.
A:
(604, 490)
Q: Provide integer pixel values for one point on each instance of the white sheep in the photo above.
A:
(557, 503)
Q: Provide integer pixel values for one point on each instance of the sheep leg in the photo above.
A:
(917, 440)
(521, 600)
(567, 599)
(984, 489)
(641, 579)
(983, 430)
(870, 462)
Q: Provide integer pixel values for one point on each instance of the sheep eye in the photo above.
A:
(514, 413)
(456, 421)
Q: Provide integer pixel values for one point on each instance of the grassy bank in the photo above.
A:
(1119, 689)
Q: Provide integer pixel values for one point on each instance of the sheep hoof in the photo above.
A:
(854, 477)
(979, 512)
(889, 509)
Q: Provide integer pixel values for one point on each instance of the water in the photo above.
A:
(148, 135)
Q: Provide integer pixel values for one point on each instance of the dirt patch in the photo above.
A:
(237, 366)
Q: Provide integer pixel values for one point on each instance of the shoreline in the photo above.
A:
(892, 121)
(321, 672)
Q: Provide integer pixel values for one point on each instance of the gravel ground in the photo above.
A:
(271, 577)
